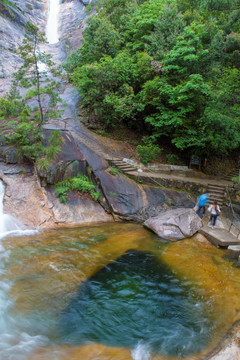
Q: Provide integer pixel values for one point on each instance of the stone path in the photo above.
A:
(219, 237)
(204, 181)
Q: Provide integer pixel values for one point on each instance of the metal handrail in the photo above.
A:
(237, 218)
(156, 180)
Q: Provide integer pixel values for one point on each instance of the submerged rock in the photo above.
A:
(175, 224)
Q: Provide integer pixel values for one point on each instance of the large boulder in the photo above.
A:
(175, 224)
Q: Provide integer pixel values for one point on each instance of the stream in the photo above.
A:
(115, 290)
(111, 291)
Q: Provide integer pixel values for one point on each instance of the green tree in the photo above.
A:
(36, 66)
(100, 38)
(167, 29)
(141, 25)
(188, 56)
(119, 12)
(24, 124)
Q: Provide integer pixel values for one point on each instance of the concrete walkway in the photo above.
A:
(221, 238)
(196, 180)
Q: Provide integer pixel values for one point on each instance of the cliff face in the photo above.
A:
(29, 196)
(72, 21)
(12, 22)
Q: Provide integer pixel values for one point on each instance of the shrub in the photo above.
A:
(148, 152)
(236, 180)
(10, 107)
(113, 170)
(172, 158)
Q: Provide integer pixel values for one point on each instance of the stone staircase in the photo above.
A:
(123, 165)
(233, 173)
(216, 192)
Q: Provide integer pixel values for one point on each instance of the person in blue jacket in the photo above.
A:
(201, 202)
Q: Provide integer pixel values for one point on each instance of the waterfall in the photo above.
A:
(52, 22)
(9, 225)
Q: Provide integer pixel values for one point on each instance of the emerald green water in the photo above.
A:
(65, 292)
(138, 300)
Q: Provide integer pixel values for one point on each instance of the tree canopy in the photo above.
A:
(170, 67)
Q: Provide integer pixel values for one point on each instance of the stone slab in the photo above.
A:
(219, 237)
(233, 251)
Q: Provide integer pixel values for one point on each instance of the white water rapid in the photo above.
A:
(52, 22)
(9, 225)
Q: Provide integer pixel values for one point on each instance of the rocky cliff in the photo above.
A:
(12, 22)
(30, 196)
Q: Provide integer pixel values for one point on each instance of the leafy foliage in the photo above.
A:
(79, 183)
(24, 123)
(148, 152)
(166, 68)
(114, 170)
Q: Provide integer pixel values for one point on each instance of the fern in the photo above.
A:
(79, 183)
(63, 199)
(95, 195)
(61, 191)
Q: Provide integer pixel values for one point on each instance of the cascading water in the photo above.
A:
(52, 22)
(7, 222)
(9, 225)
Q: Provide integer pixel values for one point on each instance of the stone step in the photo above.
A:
(217, 196)
(119, 162)
(219, 237)
(219, 202)
(127, 170)
(234, 173)
(216, 186)
(216, 190)
(123, 166)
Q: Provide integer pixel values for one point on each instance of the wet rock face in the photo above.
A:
(70, 30)
(12, 22)
(69, 162)
(136, 202)
(37, 207)
(128, 200)
(175, 224)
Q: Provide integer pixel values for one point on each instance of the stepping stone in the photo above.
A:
(233, 251)
(221, 238)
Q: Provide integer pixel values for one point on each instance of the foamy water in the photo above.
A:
(9, 225)
(141, 352)
(52, 22)
(15, 344)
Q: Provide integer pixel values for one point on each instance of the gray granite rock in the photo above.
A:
(175, 224)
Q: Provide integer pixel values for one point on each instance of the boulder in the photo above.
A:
(175, 224)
